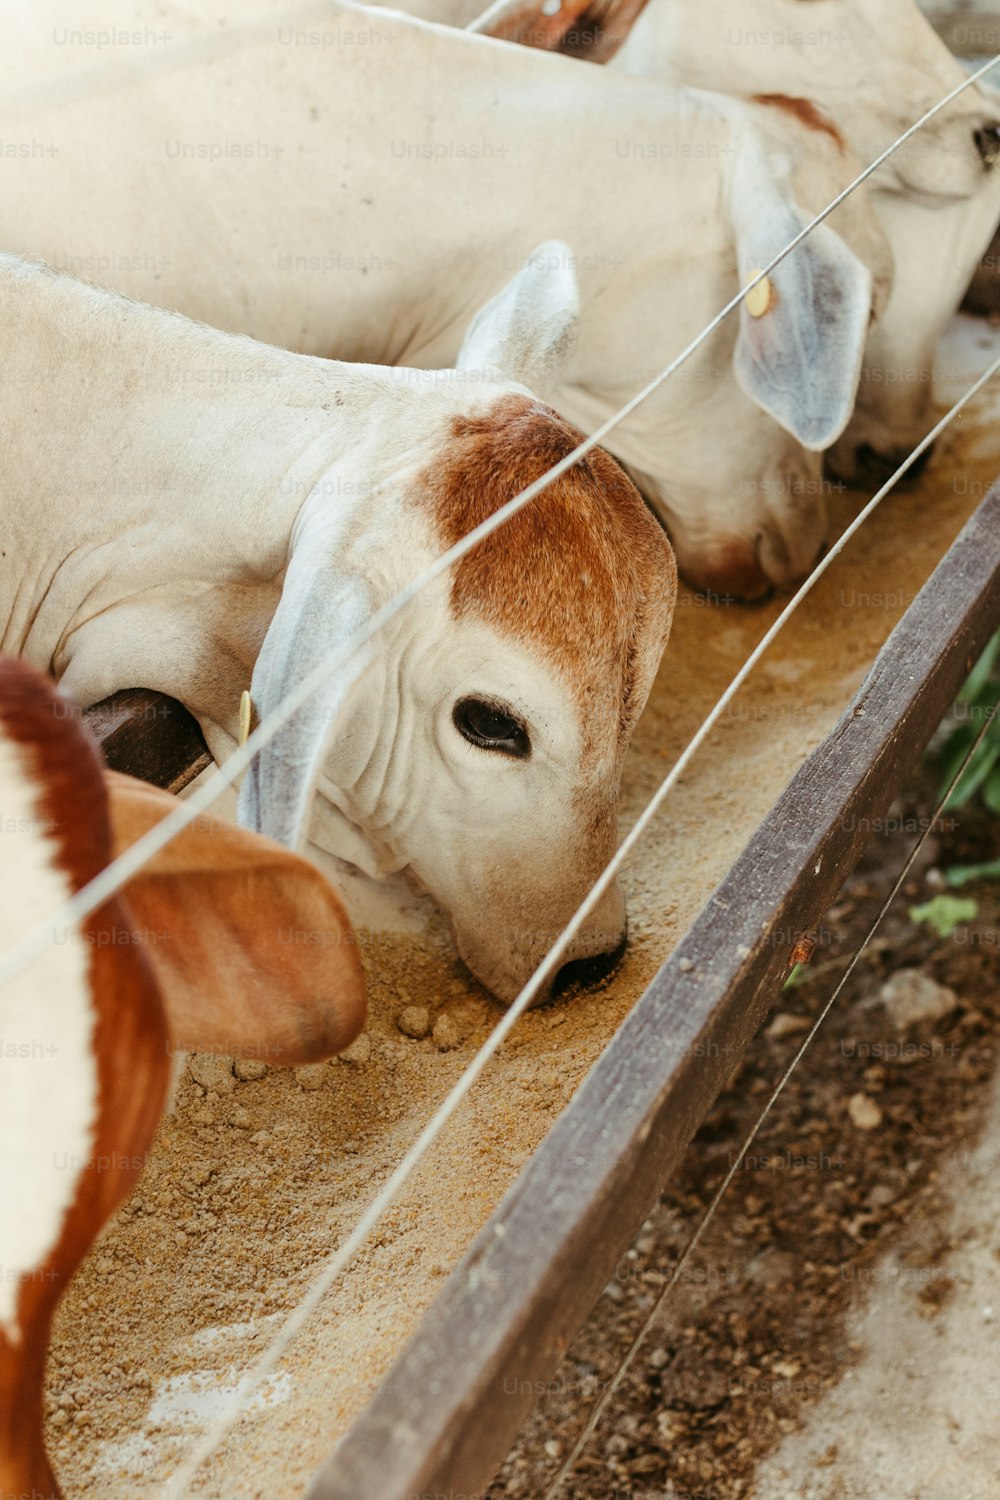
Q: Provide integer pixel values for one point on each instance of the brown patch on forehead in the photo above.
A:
(805, 111)
(583, 572)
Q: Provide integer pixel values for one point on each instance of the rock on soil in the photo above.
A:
(913, 998)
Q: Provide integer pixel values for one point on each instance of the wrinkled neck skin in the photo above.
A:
(401, 792)
(148, 528)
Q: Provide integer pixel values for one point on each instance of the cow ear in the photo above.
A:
(528, 330)
(250, 944)
(802, 332)
(321, 608)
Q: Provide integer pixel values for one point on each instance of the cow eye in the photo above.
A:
(491, 726)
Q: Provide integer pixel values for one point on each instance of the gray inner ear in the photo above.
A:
(800, 361)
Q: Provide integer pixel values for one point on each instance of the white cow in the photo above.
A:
(184, 510)
(873, 66)
(354, 183)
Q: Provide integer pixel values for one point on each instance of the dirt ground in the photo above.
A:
(835, 1335)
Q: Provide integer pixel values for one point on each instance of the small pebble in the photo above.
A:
(787, 1025)
(913, 998)
(249, 1068)
(359, 1051)
(311, 1076)
(239, 1117)
(415, 1021)
(685, 965)
(212, 1072)
(864, 1112)
(668, 1426)
(446, 1033)
(452, 1027)
(772, 1269)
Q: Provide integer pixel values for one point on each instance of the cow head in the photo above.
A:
(728, 450)
(477, 742)
(873, 67)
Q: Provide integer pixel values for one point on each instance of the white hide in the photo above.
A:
(48, 1070)
(398, 184)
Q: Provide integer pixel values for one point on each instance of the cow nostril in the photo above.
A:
(874, 468)
(581, 972)
(987, 139)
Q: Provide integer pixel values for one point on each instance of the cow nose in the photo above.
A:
(730, 576)
(987, 139)
(874, 468)
(581, 972)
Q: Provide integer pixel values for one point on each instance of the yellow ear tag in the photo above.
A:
(246, 716)
(758, 300)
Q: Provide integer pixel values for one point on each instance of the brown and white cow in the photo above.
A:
(193, 512)
(190, 955)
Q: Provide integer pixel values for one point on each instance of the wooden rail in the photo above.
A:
(148, 735)
(445, 1417)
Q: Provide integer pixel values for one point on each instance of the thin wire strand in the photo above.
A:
(121, 870)
(498, 8)
(340, 1258)
(650, 1321)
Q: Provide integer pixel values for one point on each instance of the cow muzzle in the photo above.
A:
(748, 570)
(505, 962)
(987, 139)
